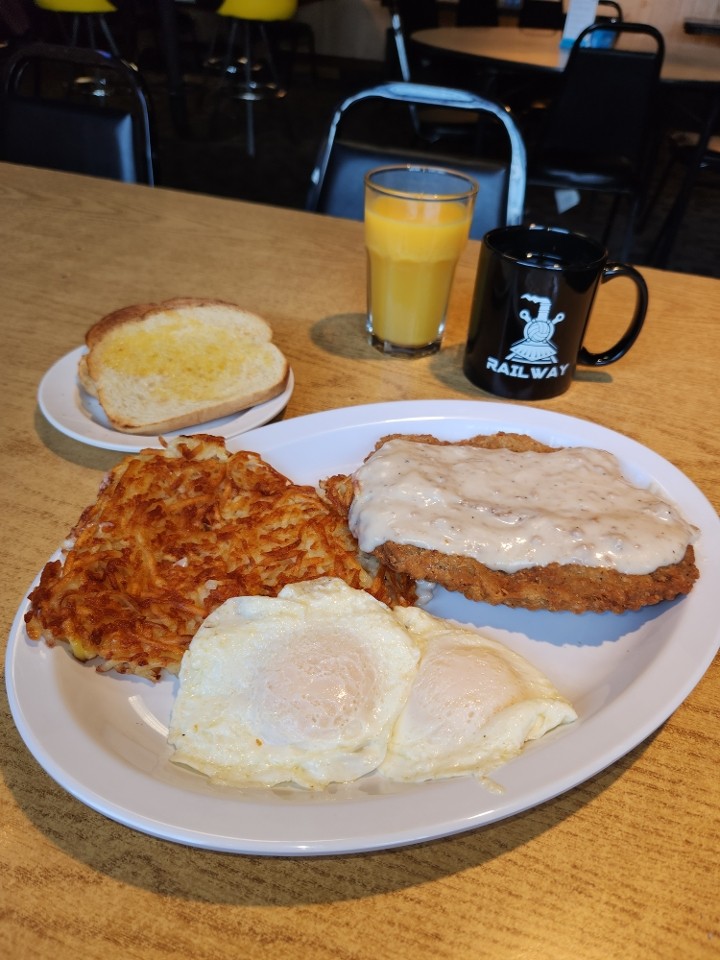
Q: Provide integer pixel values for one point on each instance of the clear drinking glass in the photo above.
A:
(417, 221)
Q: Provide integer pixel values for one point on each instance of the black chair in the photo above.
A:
(601, 130)
(609, 10)
(46, 122)
(606, 10)
(698, 152)
(542, 14)
(337, 182)
(682, 147)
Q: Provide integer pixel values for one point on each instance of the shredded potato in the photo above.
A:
(172, 535)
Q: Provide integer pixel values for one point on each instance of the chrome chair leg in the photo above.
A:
(249, 103)
(107, 32)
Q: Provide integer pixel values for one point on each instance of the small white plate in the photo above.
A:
(75, 413)
(103, 737)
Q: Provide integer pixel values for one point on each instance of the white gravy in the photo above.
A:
(514, 510)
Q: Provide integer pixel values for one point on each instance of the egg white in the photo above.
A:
(302, 687)
(473, 704)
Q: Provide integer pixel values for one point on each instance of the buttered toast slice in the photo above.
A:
(165, 366)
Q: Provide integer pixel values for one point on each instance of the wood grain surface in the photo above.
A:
(686, 60)
(624, 866)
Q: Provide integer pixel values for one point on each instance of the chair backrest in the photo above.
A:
(605, 108)
(337, 182)
(45, 124)
(543, 14)
(606, 10)
(609, 9)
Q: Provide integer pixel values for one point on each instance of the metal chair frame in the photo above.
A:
(77, 123)
(615, 7)
(244, 73)
(81, 22)
(89, 21)
(414, 94)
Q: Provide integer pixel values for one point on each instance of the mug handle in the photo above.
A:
(611, 271)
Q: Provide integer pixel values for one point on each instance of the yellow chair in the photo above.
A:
(250, 19)
(87, 13)
(263, 10)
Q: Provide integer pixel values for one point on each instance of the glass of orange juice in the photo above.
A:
(417, 221)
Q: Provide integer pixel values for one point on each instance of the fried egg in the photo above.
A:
(302, 687)
(473, 705)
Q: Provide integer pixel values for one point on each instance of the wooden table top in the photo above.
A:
(624, 865)
(689, 63)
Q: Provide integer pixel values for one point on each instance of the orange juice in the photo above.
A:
(413, 246)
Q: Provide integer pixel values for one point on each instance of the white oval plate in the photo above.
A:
(75, 413)
(103, 737)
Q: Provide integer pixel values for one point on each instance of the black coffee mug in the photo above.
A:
(533, 296)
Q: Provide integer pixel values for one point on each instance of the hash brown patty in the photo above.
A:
(174, 533)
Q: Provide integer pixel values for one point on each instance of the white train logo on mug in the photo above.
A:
(536, 347)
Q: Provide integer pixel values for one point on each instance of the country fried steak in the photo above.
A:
(554, 586)
(174, 533)
(576, 587)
